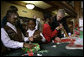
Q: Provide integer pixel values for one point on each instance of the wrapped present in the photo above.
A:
(65, 40)
(81, 34)
(34, 49)
(76, 30)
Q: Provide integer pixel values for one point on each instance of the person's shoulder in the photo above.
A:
(2, 29)
(37, 21)
(46, 25)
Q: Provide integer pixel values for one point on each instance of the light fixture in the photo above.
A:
(30, 6)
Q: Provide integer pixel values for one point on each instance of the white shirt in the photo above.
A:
(31, 32)
(36, 24)
(6, 39)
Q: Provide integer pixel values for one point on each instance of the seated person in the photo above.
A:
(33, 34)
(47, 31)
(11, 36)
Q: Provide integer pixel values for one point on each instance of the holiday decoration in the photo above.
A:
(32, 50)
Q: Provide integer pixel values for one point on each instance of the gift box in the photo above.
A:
(65, 40)
(34, 49)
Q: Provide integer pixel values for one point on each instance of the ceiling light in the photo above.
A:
(30, 6)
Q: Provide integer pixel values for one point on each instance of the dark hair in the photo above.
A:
(31, 19)
(4, 20)
(9, 12)
(14, 8)
(47, 16)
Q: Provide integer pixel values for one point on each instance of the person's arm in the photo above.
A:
(66, 27)
(25, 38)
(8, 42)
(48, 33)
(43, 39)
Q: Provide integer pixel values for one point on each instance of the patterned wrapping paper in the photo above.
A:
(66, 40)
(81, 34)
(34, 49)
(77, 31)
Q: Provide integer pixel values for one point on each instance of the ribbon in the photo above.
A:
(30, 53)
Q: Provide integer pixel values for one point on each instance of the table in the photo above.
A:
(59, 50)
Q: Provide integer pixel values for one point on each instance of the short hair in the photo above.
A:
(32, 19)
(14, 8)
(61, 11)
(9, 12)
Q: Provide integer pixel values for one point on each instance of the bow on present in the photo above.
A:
(30, 53)
(32, 50)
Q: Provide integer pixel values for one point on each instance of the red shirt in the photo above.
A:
(48, 33)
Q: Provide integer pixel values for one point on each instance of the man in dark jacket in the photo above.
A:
(4, 20)
(11, 35)
(60, 19)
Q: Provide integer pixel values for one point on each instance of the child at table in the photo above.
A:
(33, 34)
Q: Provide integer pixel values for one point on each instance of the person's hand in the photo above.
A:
(31, 38)
(26, 45)
(58, 39)
(58, 27)
(70, 37)
(61, 26)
